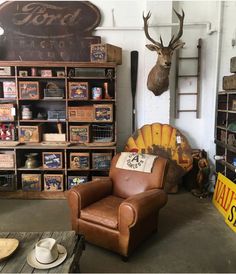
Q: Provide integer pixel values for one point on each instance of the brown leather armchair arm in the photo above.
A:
(138, 207)
(85, 194)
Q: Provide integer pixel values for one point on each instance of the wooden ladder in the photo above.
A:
(196, 94)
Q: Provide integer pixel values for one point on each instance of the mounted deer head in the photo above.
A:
(158, 78)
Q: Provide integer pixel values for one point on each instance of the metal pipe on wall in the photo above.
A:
(209, 29)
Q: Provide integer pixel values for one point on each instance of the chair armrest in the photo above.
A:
(85, 194)
(139, 206)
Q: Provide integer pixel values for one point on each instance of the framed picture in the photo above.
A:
(101, 161)
(79, 160)
(52, 160)
(31, 182)
(46, 73)
(76, 180)
(78, 90)
(9, 89)
(29, 90)
(53, 182)
(103, 112)
(233, 104)
(79, 134)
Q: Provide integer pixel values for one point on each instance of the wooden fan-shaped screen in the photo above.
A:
(166, 141)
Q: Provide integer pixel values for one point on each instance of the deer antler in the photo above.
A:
(145, 19)
(174, 42)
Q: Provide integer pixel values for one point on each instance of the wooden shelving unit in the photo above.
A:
(225, 138)
(100, 143)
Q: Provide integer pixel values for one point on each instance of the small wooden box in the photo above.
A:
(31, 182)
(76, 180)
(52, 160)
(79, 160)
(101, 161)
(105, 53)
(229, 82)
(53, 182)
(30, 134)
(81, 114)
(79, 134)
(7, 160)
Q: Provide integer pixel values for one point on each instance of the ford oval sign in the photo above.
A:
(41, 27)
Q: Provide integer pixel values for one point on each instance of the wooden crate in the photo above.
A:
(52, 160)
(29, 90)
(101, 161)
(105, 53)
(76, 180)
(8, 182)
(103, 112)
(31, 182)
(53, 182)
(229, 82)
(30, 134)
(7, 160)
(79, 160)
(81, 114)
(79, 134)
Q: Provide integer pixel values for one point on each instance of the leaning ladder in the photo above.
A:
(196, 94)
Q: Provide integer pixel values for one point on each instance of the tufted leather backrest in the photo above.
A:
(127, 183)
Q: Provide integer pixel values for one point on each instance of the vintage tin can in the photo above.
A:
(97, 93)
(26, 112)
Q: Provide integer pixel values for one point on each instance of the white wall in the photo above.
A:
(152, 108)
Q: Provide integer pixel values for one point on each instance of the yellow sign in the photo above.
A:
(231, 216)
(224, 194)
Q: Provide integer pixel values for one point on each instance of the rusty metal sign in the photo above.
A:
(48, 30)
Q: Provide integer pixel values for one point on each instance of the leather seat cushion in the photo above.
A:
(104, 212)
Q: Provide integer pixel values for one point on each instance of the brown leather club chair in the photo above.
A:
(118, 213)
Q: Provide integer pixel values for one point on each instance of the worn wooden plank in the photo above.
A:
(69, 241)
(79, 248)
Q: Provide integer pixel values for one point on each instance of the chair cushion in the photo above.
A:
(104, 212)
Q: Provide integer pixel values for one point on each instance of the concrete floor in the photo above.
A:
(192, 236)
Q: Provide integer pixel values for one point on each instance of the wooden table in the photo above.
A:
(17, 263)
